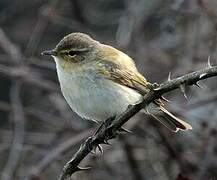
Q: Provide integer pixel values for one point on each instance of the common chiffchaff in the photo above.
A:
(99, 81)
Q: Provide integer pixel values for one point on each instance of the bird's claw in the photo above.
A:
(78, 168)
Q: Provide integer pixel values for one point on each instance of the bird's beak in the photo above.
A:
(49, 52)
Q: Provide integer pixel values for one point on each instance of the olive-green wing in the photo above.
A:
(132, 79)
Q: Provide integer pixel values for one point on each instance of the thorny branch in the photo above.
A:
(188, 32)
(113, 129)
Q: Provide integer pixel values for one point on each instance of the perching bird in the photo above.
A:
(99, 81)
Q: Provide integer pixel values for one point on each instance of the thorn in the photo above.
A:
(169, 76)
(165, 99)
(124, 130)
(82, 168)
(99, 147)
(208, 63)
(93, 151)
(202, 75)
(198, 85)
(182, 87)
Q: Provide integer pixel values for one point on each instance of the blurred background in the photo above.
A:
(38, 131)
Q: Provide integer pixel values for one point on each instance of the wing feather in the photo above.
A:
(126, 77)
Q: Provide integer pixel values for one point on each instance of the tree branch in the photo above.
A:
(113, 129)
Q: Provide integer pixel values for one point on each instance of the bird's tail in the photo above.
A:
(167, 119)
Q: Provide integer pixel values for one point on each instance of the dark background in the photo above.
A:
(38, 131)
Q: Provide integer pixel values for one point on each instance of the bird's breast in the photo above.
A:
(93, 97)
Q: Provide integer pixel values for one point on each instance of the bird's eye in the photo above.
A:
(73, 53)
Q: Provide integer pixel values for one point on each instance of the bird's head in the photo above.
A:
(78, 50)
(74, 48)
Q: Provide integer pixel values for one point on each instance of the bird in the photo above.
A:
(99, 81)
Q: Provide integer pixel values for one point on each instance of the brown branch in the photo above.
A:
(111, 131)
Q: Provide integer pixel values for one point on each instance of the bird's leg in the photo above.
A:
(105, 124)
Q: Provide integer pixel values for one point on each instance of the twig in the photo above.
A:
(111, 131)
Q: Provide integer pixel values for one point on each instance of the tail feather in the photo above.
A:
(167, 119)
(166, 122)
